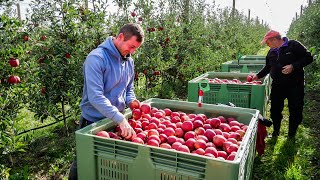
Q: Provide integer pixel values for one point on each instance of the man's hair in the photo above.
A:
(278, 37)
(132, 29)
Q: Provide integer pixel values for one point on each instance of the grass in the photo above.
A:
(49, 152)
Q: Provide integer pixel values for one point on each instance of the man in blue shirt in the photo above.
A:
(108, 81)
(285, 62)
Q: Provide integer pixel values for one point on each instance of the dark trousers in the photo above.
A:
(73, 173)
(295, 96)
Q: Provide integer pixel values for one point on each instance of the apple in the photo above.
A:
(137, 140)
(207, 126)
(209, 155)
(171, 139)
(183, 148)
(155, 120)
(234, 123)
(197, 123)
(138, 130)
(199, 117)
(211, 150)
(142, 136)
(13, 80)
(144, 125)
(235, 135)
(162, 126)
(225, 127)
(181, 140)
(175, 119)
(199, 151)
(217, 131)
(68, 55)
(104, 134)
(165, 122)
(163, 138)
(241, 132)
(231, 156)
(210, 134)
(134, 104)
(136, 114)
(231, 119)
(158, 115)
(154, 137)
(190, 143)
(153, 142)
(226, 145)
(249, 77)
(178, 124)
(145, 108)
(222, 119)
(210, 144)
(172, 125)
(173, 114)
(152, 126)
(233, 140)
(215, 123)
(153, 110)
(132, 123)
(43, 38)
(232, 148)
(200, 131)
(133, 14)
(244, 128)
(191, 116)
(43, 90)
(112, 135)
(203, 138)
(167, 111)
(156, 73)
(176, 145)
(187, 126)
(153, 132)
(222, 154)
(225, 134)
(14, 62)
(179, 132)
(234, 128)
(147, 116)
(218, 140)
(189, 134)
(184, 118)
(200, 143)
(165, 145)
(26, 38)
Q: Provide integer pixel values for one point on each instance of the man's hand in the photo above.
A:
(255, 77)
(287, 69)
(126, 130)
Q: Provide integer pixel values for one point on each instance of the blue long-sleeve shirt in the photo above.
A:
(108, 83)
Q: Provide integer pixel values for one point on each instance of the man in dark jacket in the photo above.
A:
(285, 62)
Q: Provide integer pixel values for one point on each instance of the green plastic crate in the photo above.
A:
(243, 66)
(253, 57)
(100, 158)
(242, 95)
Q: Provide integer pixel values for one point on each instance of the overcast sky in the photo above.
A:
(277, 13)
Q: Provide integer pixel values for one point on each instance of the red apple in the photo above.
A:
(190, 143)
(14, 62)
(225, 127)
(181, 140)
(232, 148)
(144, 125)
(171, 139)
(43, 38)
(175, 119)
(176, 145)
(138, 130)
(153, 110)
(165, 145)
(218, 140)
(234, 128)
(197, 123)
(217, 131)
(179, 132)
(200, 131)
(222, 119)
(211, 150)
(203, 138)
(142, 136)
(210, 144)
(234, 123)
(191, 116)
(155, 137)
(210, 134)
(207, 126)
(178, 124)
(231, 156)
(199, 151)
(187, 126)
(241, 132)
(200, 144)
(137, 140)
(249, 78)
(244, 128)
(153, 142)
(222, 154)
(155, 120)
(215, 123)
(173, 114)
(169, 131)
(136, 114)
(152, 126)
(189, 134)
(13, 80)
(26, 38)
(153, 132)
(133, 14)
(209, 155)
(199, 117)
(183, 148)
(145, 108)
(235, 135)
(160, 130)
(226, 145)
(104, 134)
(231, 119)
(167, 111)
(134, 104)
(225, 134)
(158, 114)
(68, 55)
(172, 125)
(147, 116)
(184, 118)
(163, 138)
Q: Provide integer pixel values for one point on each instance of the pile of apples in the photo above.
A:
(249, 80)
(215, 137)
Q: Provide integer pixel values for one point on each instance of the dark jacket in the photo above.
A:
(292, 52)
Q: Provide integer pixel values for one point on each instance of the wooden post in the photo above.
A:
(233, 7)
(18, 11)
(86, 5)
(249, 14)
(301, 9)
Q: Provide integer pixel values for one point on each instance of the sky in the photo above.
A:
(277, 13)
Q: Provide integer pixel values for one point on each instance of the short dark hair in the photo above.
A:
(132, 29)
(278, 37)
